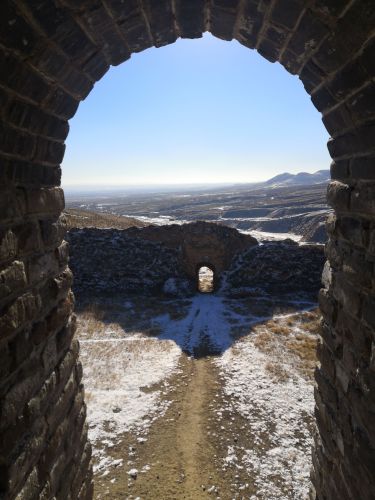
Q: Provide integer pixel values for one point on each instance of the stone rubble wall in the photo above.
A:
(113, 261)
(51, 54)
(110, 262)
(276, 268)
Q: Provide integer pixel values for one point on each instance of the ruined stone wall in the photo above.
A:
(114, 261)
(51, 54)
(135, 260)
(277, 268)
(201, 243)
(109, 262)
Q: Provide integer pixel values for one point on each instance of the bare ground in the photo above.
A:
(199, 447)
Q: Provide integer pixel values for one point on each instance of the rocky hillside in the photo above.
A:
(310, 225)
(77, 218)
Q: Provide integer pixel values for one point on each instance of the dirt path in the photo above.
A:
(190, 432)
(177, 458)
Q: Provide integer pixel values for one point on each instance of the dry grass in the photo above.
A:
(264, 340)
(277, 372)
(84, 218)
(278, 328)
(94, 322)
(297, 334)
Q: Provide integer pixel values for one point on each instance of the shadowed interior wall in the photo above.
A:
(51, 54)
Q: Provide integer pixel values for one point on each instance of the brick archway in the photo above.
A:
(51, 54)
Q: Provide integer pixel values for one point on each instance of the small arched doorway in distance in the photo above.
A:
(205, 278)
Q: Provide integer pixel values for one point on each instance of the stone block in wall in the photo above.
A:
(31, 488)
(49, 355)
(56, 471)
(48, 151)
(359, 270)
(160, 19)
(347, 80)
(53, 231)
(352, 229)
(60, 286)
(103, 30)
(16, 33)
(338, 120)
(57, 413)
(338, 195)
(331, 337)
(362, 105)
(28, 238)
(250, 25)
(28, 174)
(348, 296)
(190, 18)
(22, 79)
(45, 200)
(41, 267)
(59, 315)
(16, 142)
(363, 198)
(20, 348)
(286, 13)
(368, 311)
(38, 404)
(30, 117)
(82, 472)
(17, 397)
(363, 168)
(5, 360)
(96, 66)
(62, 253)
(360, 141)
(61, 104)
(12, 279)
(21, 311)
(223, 17)
(308, 36)
(8, 245)
(12, 204)
(327, 303)
(65, 336)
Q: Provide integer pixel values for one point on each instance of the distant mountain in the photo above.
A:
(300, 179)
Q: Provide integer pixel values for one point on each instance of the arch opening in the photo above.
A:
(206, 279)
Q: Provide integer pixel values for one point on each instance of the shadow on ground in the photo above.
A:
(202, 325)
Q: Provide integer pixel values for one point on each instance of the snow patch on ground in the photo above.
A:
(205, 324)
(265, 236)
(116, 374)
(278, 414)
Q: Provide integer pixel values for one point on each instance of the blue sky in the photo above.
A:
(196, 111)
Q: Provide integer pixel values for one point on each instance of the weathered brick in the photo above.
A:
(41, 267)
(21, 311)
(363, 199)
(338, 195)
(8, 245)
(22, 79)
(12, 279)
(45, 201)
